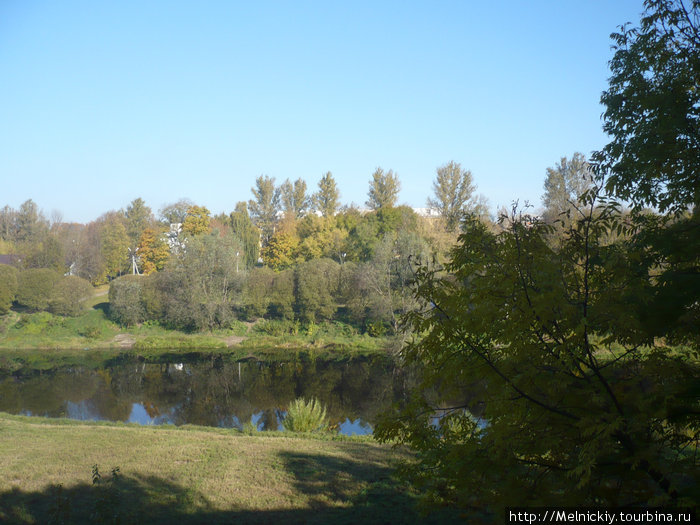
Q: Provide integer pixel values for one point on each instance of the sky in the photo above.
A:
(105, 102)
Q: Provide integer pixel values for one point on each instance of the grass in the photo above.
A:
(194, 475)
(42, 340)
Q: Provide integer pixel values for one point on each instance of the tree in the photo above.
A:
(8, 287)
(453, 188)
(652, 113)
(45, 253)
(383, 189)
(176, 212)
(243, 228)
(565, 184)
(256, 297)
(326, 198)
(196, 221)
(316, 286)
(88, 259)
(571, 402)
(8, 223)
(114, 245)
(295, 201)
(138, 218)
(265, 206)
(125, 305)
(280, 251)
(652, 108)
(202, 284)
(153, 251)
(381, 289)
(30, 223)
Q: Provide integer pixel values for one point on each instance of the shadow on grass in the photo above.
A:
(330, 480)
(329, 489)
(103, 307)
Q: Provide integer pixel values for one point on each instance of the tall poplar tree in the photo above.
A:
(244, 229)
(383, 189)
(265, 206)
(326, 198)
(564, 185)
(453, 188)
(295, 201)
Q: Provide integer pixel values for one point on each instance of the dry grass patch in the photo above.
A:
(204, 475)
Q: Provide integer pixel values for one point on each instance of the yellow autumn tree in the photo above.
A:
(281, 250)
(197, 221)
(153, 251)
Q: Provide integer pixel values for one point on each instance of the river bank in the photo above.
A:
(41, 340)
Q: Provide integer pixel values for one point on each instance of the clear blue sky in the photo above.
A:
(103, 102)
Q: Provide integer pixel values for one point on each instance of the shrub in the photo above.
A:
(306, 416)
(8, 287)
(68, 295)
(35, 287)
(316, 285)
(125, 306)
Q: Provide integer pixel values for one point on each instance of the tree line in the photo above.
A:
(286, 253)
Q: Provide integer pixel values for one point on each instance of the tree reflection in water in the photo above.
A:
(212, 393)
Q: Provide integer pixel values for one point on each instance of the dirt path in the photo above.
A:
(233, 340)
(124, 340)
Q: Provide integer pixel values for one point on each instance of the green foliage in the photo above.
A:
(383, 189)
(125, 306)
(202, 284)
(114, 246)
(176, 212)
(30, 225)
(652, 108)
(380, 289)
(565, 184)
(8, 287)
(243, 228)
(138, 217)
(316, 288)
(325, 200)
(45, 253)
(281, 305)
(306, 416)
(35, 287)
(68, 295)
(453, 188)
(582, 407)
(255, 292)
(295, 201)
(264, 206)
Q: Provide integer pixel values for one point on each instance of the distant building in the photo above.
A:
(11, 259)
(427, 212)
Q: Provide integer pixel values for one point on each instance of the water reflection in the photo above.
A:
(211, 392)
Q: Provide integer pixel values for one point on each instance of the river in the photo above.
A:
(210, 392)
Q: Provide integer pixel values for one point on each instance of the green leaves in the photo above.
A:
(546, 343)
(653, 109)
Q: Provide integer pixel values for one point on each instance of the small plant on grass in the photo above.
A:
(306, 416)
(90, 332)
(106, 497)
